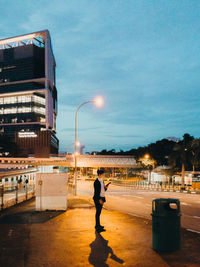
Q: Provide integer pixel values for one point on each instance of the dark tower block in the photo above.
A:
(28, 94)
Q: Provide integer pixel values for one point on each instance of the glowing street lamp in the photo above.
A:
(78, 143)
(148, 161)
(98, 101)
(72, 144)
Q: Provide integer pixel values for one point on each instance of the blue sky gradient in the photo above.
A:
(142, 56)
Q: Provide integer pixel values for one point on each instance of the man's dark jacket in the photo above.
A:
(97, 191)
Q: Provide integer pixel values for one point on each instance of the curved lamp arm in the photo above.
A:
(84, 103)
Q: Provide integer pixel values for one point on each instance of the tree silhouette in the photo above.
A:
(181, 154)
(195, 157)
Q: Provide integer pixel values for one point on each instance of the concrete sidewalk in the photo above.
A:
(30, 238)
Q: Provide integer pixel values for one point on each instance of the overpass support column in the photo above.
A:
(1, 195)
(16, 193)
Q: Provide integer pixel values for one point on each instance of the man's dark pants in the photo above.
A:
(98, 212)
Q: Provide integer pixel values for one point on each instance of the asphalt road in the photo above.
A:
(139, 202)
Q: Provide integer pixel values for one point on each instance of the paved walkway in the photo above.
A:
(30, 238)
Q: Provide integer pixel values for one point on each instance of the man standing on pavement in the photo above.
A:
(99, 198)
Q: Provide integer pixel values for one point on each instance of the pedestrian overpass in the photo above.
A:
(93, 161)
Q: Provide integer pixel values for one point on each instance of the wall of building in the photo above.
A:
(37, 142)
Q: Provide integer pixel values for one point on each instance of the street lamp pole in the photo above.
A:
(75, 153)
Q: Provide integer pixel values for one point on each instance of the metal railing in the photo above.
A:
(71, 188)
(157, 187)
(11, 195)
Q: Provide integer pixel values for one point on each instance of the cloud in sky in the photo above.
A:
(142, 56)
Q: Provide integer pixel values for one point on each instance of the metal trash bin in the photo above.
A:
(166, 224)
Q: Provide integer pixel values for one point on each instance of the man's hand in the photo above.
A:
(108, 184)
(101, 201)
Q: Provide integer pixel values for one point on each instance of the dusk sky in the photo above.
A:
(142, 56)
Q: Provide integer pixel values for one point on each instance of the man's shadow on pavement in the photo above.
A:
(100, 252)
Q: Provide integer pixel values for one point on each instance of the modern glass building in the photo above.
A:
(28, 94)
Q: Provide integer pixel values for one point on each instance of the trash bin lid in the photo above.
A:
(166, 207)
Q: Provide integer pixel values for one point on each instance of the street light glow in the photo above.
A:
(146, 156)
(78, 143)
(99, 101)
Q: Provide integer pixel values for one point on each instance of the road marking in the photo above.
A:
(133, 214)
(185, 204)
(131, 196)
(137, 197)
(112, 196)
(139, 216)
(197, 217)
(193, 231)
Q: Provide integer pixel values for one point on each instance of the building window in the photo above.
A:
(10, 110)
(39, 110)
(24, 109)
(10, 100)
(38, 99)
(24, 98)
(14, 120)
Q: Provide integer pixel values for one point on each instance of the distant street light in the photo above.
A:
(98, 101)
(72, 144)
(148, 161)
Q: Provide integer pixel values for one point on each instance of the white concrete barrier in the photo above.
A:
(51, 191)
